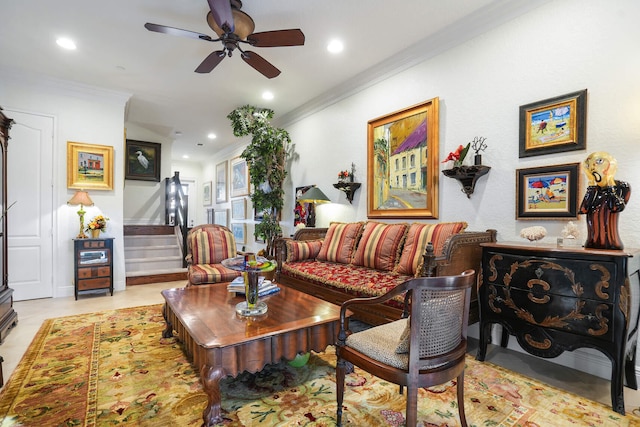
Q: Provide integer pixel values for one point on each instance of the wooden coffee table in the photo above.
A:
(222, 343)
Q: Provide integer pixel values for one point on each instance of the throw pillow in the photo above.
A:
(298, 250)
(212, 245)
(340, 242)
(418, 236)
(379, 246)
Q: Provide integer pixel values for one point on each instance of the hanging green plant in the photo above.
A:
(266, 158)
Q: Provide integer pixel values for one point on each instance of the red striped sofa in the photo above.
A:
(364, 259)
(207, 246)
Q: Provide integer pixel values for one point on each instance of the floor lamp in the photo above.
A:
(81, 198)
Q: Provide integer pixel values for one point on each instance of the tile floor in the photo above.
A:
(32, 313)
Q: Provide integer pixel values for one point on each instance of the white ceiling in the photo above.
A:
(116, 52)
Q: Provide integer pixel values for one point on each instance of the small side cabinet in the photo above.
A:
(93, 266)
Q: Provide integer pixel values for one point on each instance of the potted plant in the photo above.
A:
(265, 156)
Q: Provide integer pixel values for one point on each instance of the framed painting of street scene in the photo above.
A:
(553, 125)
(402, 163)
(547, 192)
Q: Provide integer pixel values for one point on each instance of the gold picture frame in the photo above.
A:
(89, 166)
(402, 163)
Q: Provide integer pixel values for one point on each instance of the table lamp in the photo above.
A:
(313, 196)
(81, 198)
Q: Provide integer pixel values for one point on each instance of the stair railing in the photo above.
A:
(176, 210)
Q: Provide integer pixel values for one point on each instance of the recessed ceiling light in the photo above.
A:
(66, 43)
(267, 95)
(185, 156)
(177, 133)
(335, 46)
(212, 136)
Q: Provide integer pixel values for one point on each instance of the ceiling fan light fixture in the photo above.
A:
(244, 24)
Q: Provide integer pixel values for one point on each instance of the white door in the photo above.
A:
(188, 188)
(30, 186)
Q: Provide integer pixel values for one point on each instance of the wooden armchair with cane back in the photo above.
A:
(432, 345)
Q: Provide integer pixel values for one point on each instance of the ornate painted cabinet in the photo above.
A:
(558, 299)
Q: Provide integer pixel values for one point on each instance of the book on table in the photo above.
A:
(265, 287)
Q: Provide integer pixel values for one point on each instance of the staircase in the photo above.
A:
(152, 254)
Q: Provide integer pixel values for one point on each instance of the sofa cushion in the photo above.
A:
(298, 250)
(379, 246)
(416, 241)
(354, 280)
(340, 241)
(210, 273)
(211, 245)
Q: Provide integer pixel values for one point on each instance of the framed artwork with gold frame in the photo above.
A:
(554, 125)
(402, 163)
(89, 166)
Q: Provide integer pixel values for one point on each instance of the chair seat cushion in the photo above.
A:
(380, 343)
(210, 273)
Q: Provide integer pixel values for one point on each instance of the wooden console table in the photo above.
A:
(557, 299)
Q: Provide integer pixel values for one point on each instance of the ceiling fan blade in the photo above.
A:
(260, 64)
(177, 32)
(221, 11)
(277, 38)
(211, 61)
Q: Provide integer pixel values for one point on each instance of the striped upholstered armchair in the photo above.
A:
(207, 246)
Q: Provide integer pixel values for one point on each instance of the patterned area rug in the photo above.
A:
(113, 368)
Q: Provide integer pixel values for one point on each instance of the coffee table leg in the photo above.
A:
(211, 376)
(168, 331)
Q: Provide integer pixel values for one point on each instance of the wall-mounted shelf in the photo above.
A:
(349, 189)
(467, 175)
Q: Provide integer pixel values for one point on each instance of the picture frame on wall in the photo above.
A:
(221, 217)
(221, 182)
(402, 163)
(239, 209)
(142, 160)
(239, 177)
(89, 166)
(239, 231)
(206, 193)
(548, 192)
(554, 125)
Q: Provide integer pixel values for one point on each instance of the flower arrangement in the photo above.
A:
(345, 175)
(98, 222)
(458, 155)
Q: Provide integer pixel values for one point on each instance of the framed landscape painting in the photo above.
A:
(553, 125)
(221, 182)
(142, 160)
(402, 163)
(221, 217)
(547, 192)
(89, 166)
(239, 232)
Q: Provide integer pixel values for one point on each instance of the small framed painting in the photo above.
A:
(206, 193)
(239, 177)
(239, 209)
(89, 166)
(547, 192)
(221, 217)
(142, 161)
(239, 231)
(554, 125)
(221, 182)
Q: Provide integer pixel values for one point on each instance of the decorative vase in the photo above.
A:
(95, 234)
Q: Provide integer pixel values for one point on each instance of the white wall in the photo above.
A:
(144, 200)
(81, 114)
(559, 48)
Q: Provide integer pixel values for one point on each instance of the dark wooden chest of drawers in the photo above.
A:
(558, 299)
(93, 265)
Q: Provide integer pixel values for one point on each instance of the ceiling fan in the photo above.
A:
(234, 27)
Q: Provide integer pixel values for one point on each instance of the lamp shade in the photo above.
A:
(80, 198)
(313, 195)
